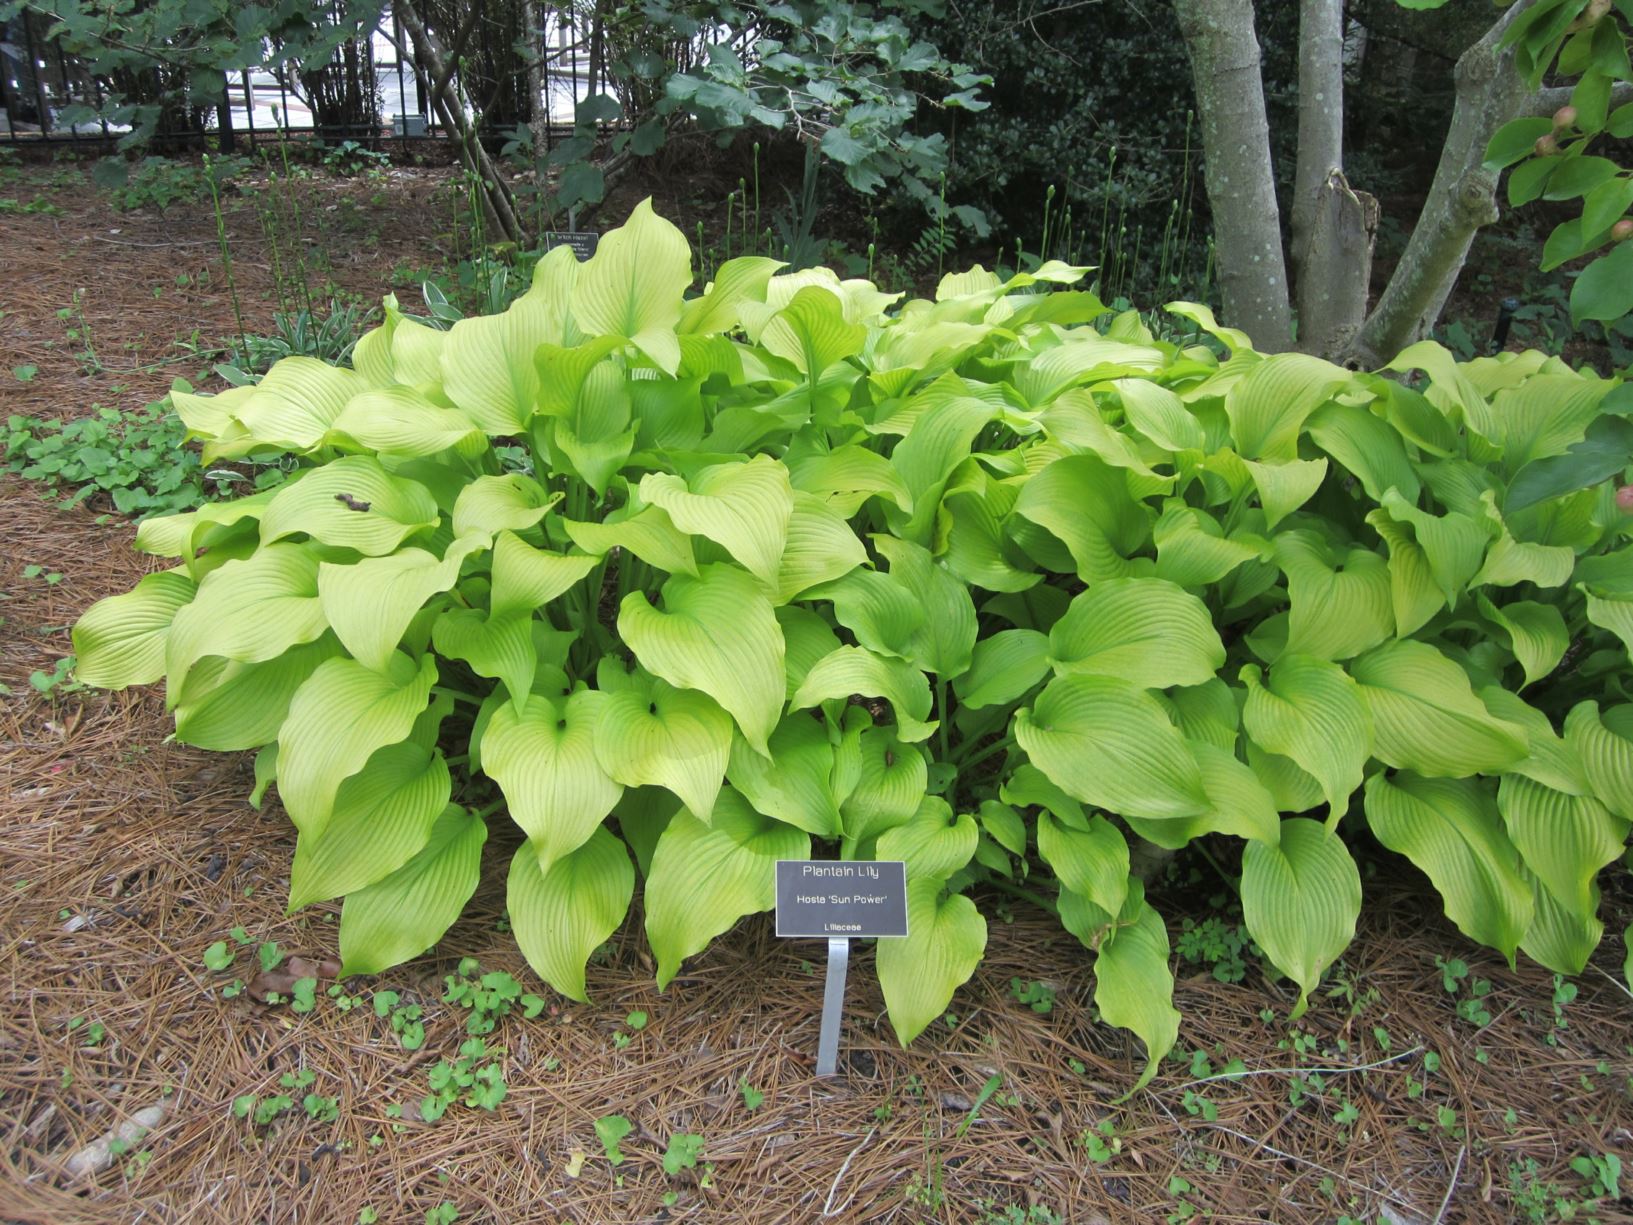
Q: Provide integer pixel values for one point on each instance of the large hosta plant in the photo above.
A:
(996, 584)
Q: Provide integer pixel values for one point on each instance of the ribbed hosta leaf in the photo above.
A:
(250, 611)
(1565, 839)
(383, 817)
(1110, 744)
(402, 915)
(948, 633)
(1340, 604)
(668, 737)
(1426, 718)
(120, 641)
(243, 705)
(1603, 746)
(743, 507)
(849, 670)
(339, 716)
(1090, 859)
(706, 877)
(402, 421)
(633, 285)
(1267, 409)
(562, 915)
(794, 784)
(371, 603)
(351, 503)
(716, 633)
(1451, 830)
(492, 504)
(919, 972)
(1085, 503)
(821, 547)
(934, 844)
(1133, 985)
(1312, 712)
(1366, 445)
(650, 535)
(1003, 667)
(500, 647)
(1560, 938)
(542, 755)
(1536, 634)
(1299, 901)
(1285, 486)
(879, 780)
(1145, 631)
(525, 578)
(1193, 550)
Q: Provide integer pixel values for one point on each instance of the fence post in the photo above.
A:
(224, 110)
(34, 75)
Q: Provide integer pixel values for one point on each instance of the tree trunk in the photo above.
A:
(1224, 55)
(1337, 269)
(445, 96)
(1320, 120)
(1463, 198)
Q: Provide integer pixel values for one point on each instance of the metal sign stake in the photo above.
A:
(833, 1005)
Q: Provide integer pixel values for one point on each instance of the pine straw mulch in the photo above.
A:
(123, 857)
(153, 283)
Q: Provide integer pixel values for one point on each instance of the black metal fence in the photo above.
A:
(40, 84)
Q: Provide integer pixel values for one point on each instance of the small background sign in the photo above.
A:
(826, 898)
(581, 241)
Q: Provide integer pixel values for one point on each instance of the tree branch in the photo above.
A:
(1462, 199)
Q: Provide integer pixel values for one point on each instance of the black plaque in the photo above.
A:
(834, 899)
(581, 241)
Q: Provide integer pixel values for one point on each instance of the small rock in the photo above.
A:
(98, 1155)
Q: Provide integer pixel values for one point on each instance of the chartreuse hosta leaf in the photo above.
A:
(525, 578)
(879, 779)
(1003, 667)
(717, 633)
(1310, 710)
(632, 286)
(542, 755)
(649, 534)
(342, 714)
(1299, 901)
(1426, 718)
(499, 647)
(675, 738)
(405, 913)
(1559, 937)
(1145, 631)
(492, 504)
(1268, 408)
(811, 332)
(1193, 550)
(1133, 986)
(1110, 744)
(294, 405)
(1088, 855)
(821, 547)
(351, 503)
(849, 670)
(563, 914)
(250, 610)
(383, 817)
(794, 784)
(1565, 839)
(1085, 503)
(935, 843)
(231, 706)
(948, 630)
(919, 972)
(1451, 829)
(737, 281)
(743, 507)
(402, 421)
(120, 641)
(706, 877)
(1340, 603)
(370, 603)
(1602, 744)
(1536, 634)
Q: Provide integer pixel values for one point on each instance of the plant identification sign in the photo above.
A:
(819, 898)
